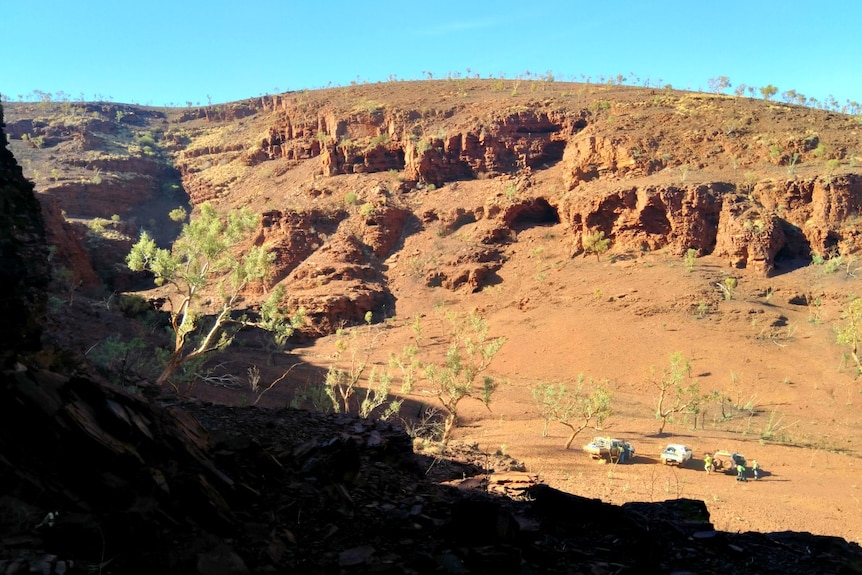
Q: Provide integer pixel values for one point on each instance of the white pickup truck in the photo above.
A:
(675, 454)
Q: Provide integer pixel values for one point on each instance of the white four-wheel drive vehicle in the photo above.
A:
(675, 454)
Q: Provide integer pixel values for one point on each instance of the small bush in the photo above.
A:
(600, 105)
(97, 226)
(727, 287)
(596, 243)
(132, 305)
(380, 140)
(121, 361)
(350, 198)
(146, 140)
(819, 151)
(690, 259)
(367, 210)
(423, 146)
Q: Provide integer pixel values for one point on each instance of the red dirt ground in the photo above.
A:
(616, 318)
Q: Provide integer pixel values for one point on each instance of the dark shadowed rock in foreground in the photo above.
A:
(23, 258)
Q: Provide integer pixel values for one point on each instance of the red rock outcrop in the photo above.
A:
(470, 268)
(589, 156)
(293, 237)
(820, 211)
(336, 286)
(376, 141)
(68, 246)
(748, 237)
(111, 196)
(650, 217)
(793, 218)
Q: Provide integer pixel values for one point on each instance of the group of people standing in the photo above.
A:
(709, 466)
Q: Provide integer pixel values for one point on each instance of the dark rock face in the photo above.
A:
(23, 258)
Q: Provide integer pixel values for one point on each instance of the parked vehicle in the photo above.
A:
(676, 454)
(726, 461)
(612, 450)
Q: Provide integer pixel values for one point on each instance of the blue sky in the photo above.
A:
(160, 52)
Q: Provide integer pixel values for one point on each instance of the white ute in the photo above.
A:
(675, 453)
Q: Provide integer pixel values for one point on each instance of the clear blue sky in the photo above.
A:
(159, 52)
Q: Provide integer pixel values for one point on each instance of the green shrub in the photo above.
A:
(850, 332)
(131, 305)
(690, 259)
(97, 226)
(511, 192)
(350, 198)
(146, 140)
(775, 151)
(120, 361)
(380, 140)
(578, 405)
(596, 243)
(728, 287)
(178, 214)
(600, 105)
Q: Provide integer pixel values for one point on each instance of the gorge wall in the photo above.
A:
(748, 181)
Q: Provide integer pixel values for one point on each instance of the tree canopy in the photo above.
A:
(202, 259)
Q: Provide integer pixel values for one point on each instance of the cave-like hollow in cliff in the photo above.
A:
(537, 212)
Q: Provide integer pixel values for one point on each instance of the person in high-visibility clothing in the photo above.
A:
(740, 469)
(707, 462)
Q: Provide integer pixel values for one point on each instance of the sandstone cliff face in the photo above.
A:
(630, 188)
(294, 237)
(589, 156)
(793, 219)
(650, 217)
(377, 141)
(748, 223)
(651, 169)
(705, 215)
(68, 246)
(337, 286)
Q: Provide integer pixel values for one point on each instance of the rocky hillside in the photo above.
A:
(342, 176)
(97, 479)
